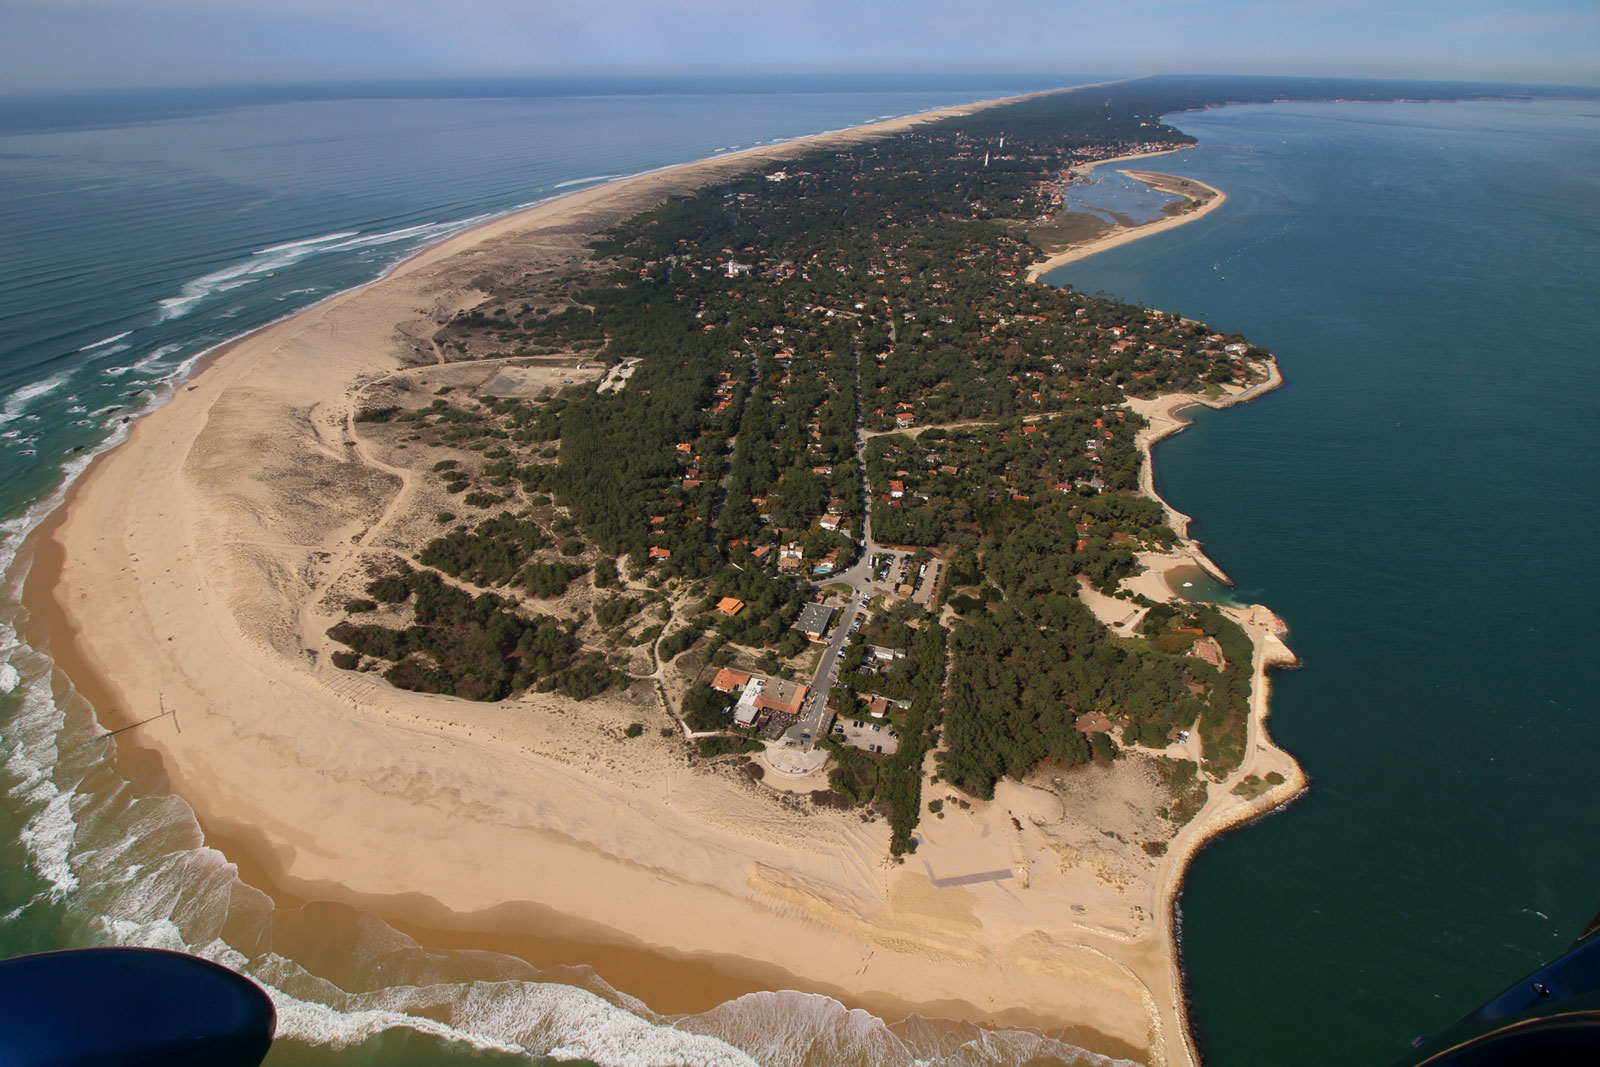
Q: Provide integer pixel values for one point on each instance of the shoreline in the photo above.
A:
(1118, 235)
(155, 756)
(1265, 629)
(1266, 632)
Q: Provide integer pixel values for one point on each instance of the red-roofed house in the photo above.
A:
(730, 681)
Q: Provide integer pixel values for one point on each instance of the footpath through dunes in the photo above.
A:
(180, 574)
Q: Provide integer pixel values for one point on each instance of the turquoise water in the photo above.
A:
(1419, 504)
(138, 233)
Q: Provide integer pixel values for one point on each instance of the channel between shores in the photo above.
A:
(263, 863)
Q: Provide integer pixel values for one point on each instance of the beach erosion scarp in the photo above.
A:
(183, 572)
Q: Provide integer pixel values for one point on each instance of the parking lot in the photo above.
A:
(868, 735)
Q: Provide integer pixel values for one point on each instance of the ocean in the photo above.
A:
(1415, 503)
(1418, 503)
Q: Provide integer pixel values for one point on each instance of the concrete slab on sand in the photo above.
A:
(536, 380)
(794, 762)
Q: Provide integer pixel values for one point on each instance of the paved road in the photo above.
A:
(806, 731)
(809, 726)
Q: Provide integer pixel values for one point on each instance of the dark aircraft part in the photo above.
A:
(130, 1007)
(1550, 1019)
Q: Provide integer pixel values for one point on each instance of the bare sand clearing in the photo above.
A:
(191, 568)
(1115, 236)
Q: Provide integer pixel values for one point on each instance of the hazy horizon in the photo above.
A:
(63, 45)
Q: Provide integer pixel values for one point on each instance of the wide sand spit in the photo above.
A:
(188, 570)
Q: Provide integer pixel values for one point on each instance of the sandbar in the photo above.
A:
(1118, 235)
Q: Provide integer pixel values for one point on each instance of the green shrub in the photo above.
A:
(1174, 643)
(546, 580)
(391, 589)
(489, 554)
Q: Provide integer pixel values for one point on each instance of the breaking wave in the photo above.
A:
(106, 341)
(16, 404)
(267, 262)
(585, 181)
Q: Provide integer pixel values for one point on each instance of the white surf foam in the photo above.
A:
(107, 341)
(265, 262)
(261, 263)
(17, 403)
(424, 232)
(144, 363)
(48, 830)
(228, 278)
(585, 181)
(308, 242)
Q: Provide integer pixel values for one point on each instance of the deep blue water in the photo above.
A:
(1419, 504)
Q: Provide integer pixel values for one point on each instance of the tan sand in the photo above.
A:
(1121, 235)
(188, 571)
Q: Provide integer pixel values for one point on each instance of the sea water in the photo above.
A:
(139, 231)
(1419, 503)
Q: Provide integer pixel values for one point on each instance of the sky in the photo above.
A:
(48, 45)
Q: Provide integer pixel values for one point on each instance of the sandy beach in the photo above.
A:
(192, 568)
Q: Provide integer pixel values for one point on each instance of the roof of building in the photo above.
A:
(786, 697)
(730, 606)
(814, 619)
(730, 681)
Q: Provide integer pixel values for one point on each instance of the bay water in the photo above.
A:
(1419, 504)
